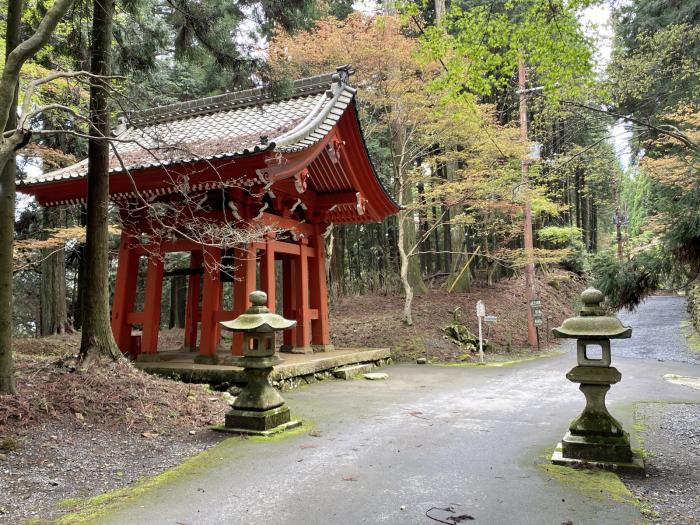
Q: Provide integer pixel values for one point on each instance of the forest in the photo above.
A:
(488, 124)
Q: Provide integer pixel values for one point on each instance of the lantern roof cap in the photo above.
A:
(592, 323)
(258, 318)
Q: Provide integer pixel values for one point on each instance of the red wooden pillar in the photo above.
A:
(289, 298)
(303, 335)
(243, 285)
(151, 307)
(211, 303)
(267, 274)
(192, 313)
(124, 292)
(320, 333)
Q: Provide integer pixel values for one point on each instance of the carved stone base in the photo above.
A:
(323, 348)
(250, 420)
(289, 349)
(206, 360)
(634, 466)
(597, 448)
(148, 357)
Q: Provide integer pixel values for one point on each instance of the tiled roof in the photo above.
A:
(224, 126)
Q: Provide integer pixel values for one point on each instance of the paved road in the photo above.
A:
(658, 333)
(429, 436)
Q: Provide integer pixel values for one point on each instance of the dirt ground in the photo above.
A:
(74, 434)
(375, 320)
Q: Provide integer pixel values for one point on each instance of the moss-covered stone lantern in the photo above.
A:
(259, 408)
(595, 437)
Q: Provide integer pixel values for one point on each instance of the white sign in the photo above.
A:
(481, 313)
(490, 318)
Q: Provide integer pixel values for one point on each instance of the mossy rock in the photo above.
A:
(555, 283)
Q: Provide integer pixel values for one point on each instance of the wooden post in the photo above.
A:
(532, 338)
(192, 313)
(124, 293)
(303, 342)
(243, 285)
(211, 303)
(289, 298)
(320, 333)
(151, 306)
(267, 274)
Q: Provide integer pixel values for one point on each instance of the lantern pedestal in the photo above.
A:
(259, 409)
(595, 435)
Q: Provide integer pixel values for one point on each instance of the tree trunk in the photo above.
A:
(178, 301)
(80, 271)
(439, 12)
(424, 240)
(438, 257)
(7, 220)
(97, 338)
(54, 311)
(338, 261)
(407, 288)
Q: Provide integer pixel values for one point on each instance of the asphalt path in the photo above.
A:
(660, 331)
(429, 436)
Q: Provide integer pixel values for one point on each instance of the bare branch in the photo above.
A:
(664, 129)
(25, 51)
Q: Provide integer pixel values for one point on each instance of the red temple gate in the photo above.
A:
(290, 166)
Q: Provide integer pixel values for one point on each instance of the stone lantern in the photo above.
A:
(259, 408)
(595, 437)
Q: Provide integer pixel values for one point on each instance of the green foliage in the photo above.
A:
(627, 283)
(481, 45)
(570, 238)
(559, 235)
(653, 73)
(638, 17)
(637, 198)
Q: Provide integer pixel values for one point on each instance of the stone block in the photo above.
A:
(634, 466)
(597, 448)
(348, 372)
(375, 376)
(244, 420)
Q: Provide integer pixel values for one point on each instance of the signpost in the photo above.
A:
(536, 306)
(481, 313)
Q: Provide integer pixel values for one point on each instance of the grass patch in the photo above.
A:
(495, 364)
(598, 484)
(639, 428)
(305, 427)
(8, 444)
(89, 510)
(692, 337)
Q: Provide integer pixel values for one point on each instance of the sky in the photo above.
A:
(597, 19)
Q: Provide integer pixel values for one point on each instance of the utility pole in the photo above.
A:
(618, 218)
(527, 210)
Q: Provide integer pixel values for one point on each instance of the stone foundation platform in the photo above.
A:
(294, 371)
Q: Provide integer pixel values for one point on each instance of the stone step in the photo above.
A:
(348, 372)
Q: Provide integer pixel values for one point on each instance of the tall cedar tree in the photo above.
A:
(9, 82)
(7, 219)
(97, 338)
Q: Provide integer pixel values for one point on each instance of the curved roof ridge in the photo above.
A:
(236, 99)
